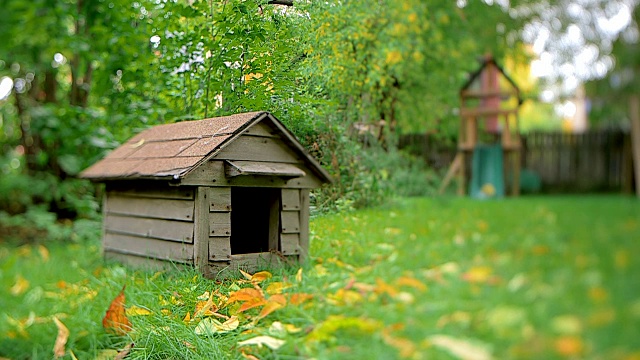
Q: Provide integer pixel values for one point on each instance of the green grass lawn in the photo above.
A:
(444, 278)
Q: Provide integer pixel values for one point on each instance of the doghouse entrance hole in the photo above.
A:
(255, 220)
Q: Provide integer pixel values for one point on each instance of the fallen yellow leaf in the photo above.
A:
(44, 253)
(478, 274)
(382, 287)
(569, 345)
(205, 308)
(405, 347)
(277, 287)
(268, 341)
(411, 282)
(297, 299)
(461, 349)
(261, 276)
(61, 339)
(598, 294)
(137, 311)
(209, 326)
(20, 286)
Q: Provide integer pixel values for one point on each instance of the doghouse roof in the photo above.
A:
(172, 151)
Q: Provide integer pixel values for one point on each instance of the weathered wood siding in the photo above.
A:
(291, 222)
(150, 223)
(219, 203)
(259, 143)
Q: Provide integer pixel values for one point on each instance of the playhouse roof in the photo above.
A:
(172, 151)
(484, 63)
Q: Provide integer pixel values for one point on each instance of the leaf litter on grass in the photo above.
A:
(542, 288)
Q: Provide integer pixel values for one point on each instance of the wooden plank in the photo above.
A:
(259, 261)
(212, 173)
(146, 190)
(290, 243)
(218, 229)
(290, 199)
(144, 263)
(219, 248)
(290, 222)
(151, 208)
(219, 224)
(261, 168)
(486, 112)
(220, 199)
(304, 224)
(488, 93)
(158, 249)
(253, 148)
(179, 231)
(261, 129)
(274, 219)
(201, 228)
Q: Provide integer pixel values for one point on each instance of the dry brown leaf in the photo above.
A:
(274, 303)
(61, 339)
(124, 352)
(115, 320)
(261, 276)
(245, 294)
(250, 304)
(297, 299)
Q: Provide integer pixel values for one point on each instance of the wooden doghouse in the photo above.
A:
(218, 193)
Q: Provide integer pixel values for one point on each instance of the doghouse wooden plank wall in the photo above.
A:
(217, 194)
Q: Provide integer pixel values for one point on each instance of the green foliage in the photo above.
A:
(102, 71)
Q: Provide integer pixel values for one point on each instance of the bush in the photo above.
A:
(368, 176)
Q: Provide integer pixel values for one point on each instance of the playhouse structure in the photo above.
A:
(487, 163)
(217, 194)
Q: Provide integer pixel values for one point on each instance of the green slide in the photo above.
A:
(487, 175)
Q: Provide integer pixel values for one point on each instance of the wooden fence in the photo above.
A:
(591, 161)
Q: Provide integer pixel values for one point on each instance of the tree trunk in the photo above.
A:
(634, 116)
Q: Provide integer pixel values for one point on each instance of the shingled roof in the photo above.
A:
(172, 151)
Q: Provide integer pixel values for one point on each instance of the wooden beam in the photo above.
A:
(201, 231)
(454, 168)
(304, 224)
(281, 2)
